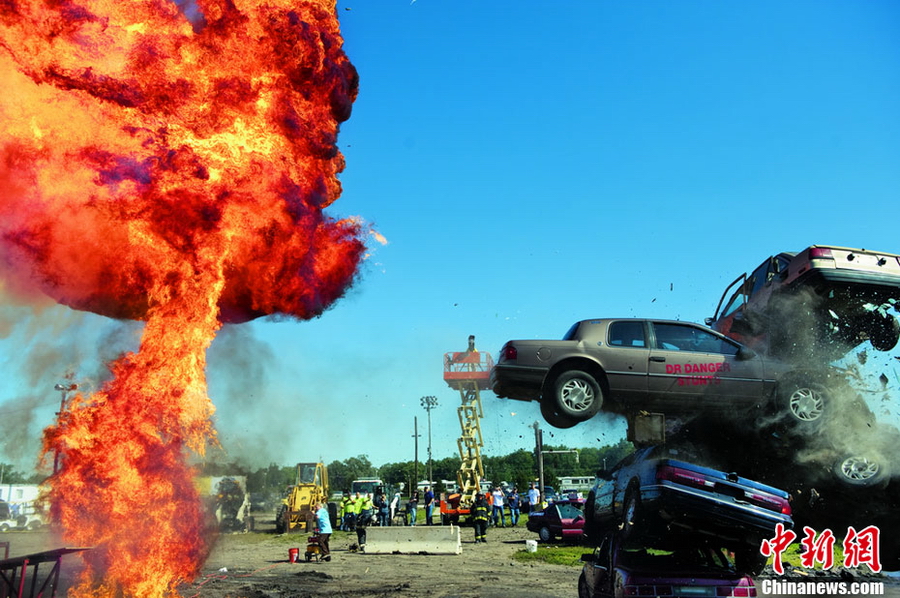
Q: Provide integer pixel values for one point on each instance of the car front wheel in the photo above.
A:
(577, 396)
(544, 534)
(583, 590)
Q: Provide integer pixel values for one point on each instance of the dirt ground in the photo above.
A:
(255, 565)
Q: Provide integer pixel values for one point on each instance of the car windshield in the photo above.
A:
(679, 561)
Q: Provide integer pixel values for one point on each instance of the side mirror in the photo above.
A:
(745, 353)
(589, 557)
(604, 474)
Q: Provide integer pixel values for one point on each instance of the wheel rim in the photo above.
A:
(807, 404)
(577, 395)
(859, 469)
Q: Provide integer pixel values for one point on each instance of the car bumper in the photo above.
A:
(522, 383)
(877, 284)
(723, 517)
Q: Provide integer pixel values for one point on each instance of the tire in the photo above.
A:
(861, 472)
(632, 514)
(749, 561)
(4, 527)
(554, 419)
(583, 590)
(279, 521)
(805, 403)
(333, 515)
(576, 395)
(545, 535)
(884, 332)
(590, 527)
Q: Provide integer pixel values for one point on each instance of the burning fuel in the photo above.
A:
(174, 171)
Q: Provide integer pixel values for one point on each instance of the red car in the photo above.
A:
(561, 519)
(615, 570)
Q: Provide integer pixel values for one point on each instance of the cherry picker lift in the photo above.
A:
(468, 372)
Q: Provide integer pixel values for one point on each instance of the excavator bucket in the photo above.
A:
(424, 539)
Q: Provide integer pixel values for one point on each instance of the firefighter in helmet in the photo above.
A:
(480, 512)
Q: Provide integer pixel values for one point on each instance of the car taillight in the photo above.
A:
(683, 476)
(738, 591)
(771, 502)
(508, 353)
(820, 253)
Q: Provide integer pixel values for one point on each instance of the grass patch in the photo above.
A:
(554, 554)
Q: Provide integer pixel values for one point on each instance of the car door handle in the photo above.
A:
(658, 359)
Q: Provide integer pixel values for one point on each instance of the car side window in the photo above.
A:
(627, 334)
(735, 303)
(675, 337)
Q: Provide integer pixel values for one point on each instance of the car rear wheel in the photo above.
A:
(576, 395)
(805, 402)
(555, 419)
(632, 514)
(861, 472)
(544, 534)
(883, 332)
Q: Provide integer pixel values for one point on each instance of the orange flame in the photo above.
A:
(172, 171)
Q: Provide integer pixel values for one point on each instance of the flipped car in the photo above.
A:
(629, 365)
(661, 492)
(688, 569)
(825, 298)
(560, 519)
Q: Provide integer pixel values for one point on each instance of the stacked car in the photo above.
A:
(760, 388)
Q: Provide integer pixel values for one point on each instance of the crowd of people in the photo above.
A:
(362, 509)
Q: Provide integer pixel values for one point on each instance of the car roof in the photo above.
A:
(633, 319)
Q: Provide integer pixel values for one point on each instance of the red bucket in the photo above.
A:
(293, 553)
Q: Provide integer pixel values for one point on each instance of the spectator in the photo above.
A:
(429, 505)
(323, 525)
(412, 507)
(395, 508)
(498, 511)
(512, 501)
(534, 499)
(382, 510)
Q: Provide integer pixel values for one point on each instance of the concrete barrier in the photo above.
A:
(429, 539)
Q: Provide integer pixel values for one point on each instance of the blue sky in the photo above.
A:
(531, 164)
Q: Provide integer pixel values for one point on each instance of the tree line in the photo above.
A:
(517, 468)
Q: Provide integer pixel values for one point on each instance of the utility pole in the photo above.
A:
(415, 483)
(539, 454)
(429, 403)
(65, 389)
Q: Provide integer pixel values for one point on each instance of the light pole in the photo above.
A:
(415, 482)
(429, 403)
(65, 389)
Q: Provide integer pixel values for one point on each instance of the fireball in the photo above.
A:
(170, 166)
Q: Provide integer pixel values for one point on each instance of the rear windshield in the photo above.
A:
(681, 560)
(570, 333)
